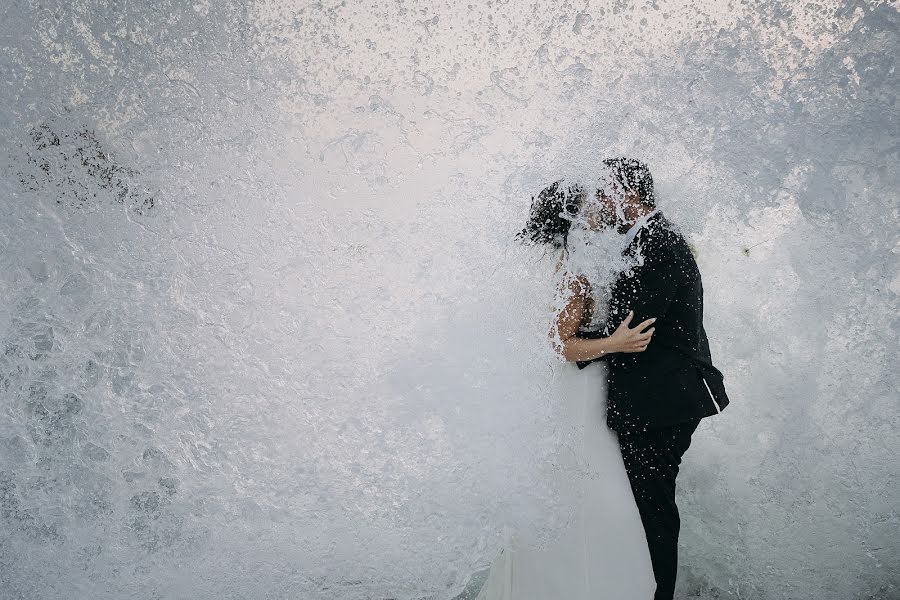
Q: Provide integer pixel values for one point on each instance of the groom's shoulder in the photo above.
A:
(664, 233)
(668, 242)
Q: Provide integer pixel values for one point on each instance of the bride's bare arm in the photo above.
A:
(566, 342)
(572, 348)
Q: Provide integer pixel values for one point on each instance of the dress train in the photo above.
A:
(603, 553)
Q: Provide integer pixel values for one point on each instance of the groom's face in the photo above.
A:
(611, 210)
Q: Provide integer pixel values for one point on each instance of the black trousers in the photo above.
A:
(652, 456)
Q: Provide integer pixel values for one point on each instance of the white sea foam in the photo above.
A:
(266, 331)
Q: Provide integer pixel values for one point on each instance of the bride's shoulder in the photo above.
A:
(574, 284)
(570, 279)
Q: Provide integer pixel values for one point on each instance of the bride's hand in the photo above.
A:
(630, 339)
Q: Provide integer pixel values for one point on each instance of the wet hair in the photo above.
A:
(633, 175)
(551, 215)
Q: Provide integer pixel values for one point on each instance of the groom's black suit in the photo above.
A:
(656, 398)
(664, 384)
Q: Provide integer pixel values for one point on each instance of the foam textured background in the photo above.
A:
(265, 333)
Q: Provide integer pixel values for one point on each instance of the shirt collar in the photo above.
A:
(633, 231)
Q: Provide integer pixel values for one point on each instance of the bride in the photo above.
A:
(603, 552)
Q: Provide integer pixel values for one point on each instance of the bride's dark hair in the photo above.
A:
(551, 214)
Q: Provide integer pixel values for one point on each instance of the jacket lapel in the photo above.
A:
(632, 246)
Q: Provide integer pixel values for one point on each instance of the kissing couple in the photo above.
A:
(644, 381)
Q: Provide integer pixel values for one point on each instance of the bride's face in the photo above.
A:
(600, 211)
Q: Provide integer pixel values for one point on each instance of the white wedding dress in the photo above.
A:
(603, 553)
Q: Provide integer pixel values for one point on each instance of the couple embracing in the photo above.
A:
(648, 356)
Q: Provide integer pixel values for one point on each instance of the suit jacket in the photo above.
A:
(674, 379)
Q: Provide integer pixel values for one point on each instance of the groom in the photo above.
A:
(656, 397)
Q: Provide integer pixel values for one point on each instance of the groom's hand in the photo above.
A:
(631, 339)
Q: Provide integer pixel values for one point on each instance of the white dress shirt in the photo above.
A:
(629, 235)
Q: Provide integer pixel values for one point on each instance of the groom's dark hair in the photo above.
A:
(635, 176)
